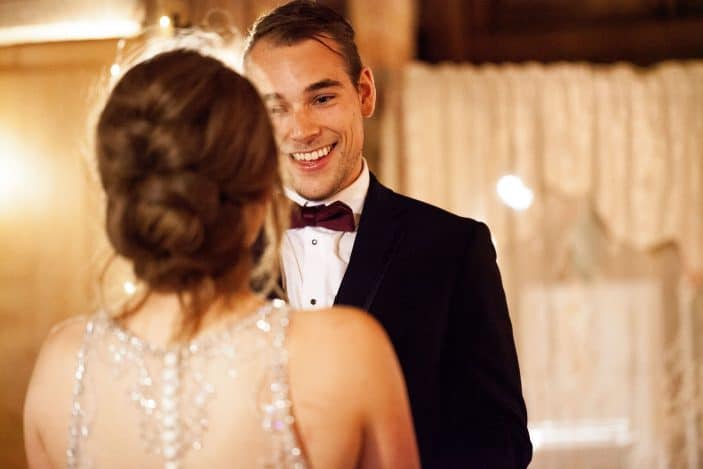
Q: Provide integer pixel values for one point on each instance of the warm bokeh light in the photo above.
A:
(603, 433)
(514, 193)
(15, 178)
(69, 30)
(164, 21)
(19, 180)
(129, 288)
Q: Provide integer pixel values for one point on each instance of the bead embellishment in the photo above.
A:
(173, 403)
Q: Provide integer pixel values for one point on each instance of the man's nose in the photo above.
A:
(302, 126)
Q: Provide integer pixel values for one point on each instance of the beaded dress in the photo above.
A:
(221, 400)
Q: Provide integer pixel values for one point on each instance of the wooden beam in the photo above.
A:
(642, 42)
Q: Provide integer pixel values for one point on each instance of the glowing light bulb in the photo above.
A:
(164, 21)
(115, 70)
(514, 193)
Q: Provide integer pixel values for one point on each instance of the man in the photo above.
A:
(428, 276)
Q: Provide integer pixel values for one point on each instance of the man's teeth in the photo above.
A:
(312, 155)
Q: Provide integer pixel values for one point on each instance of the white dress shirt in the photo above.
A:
(315, 259)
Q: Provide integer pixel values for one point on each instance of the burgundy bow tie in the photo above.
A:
(336, 216)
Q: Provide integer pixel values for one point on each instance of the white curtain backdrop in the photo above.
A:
(604, 271)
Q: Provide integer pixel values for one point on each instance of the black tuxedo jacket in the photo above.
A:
(431, 279)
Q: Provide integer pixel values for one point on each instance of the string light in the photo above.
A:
(164, 22)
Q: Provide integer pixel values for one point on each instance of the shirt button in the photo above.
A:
(313, 301)
(314, 242)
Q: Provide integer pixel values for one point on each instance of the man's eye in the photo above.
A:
(324, 99)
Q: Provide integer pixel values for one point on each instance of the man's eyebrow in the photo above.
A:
(318, 85)
(328, 83)
(271, 97)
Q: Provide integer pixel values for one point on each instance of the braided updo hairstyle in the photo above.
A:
(184, 143)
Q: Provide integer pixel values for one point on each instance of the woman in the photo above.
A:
(203, 371)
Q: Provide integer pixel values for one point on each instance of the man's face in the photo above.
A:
(316, 110)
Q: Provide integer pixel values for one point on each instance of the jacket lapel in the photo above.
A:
(379, 234)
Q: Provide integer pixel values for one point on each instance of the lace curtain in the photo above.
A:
(604, 271)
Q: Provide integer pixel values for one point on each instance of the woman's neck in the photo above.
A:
(160, 317)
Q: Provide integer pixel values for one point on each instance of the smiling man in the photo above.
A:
(428, 276)
(317, 111)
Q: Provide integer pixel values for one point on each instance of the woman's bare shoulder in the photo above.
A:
(59, 349)
(345, 343)
(66, 335)
(339, 326)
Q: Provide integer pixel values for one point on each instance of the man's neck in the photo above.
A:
(353, 195)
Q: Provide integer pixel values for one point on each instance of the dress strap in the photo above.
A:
(79, 426)
(278, 415)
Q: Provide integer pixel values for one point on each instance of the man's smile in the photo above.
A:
(313, 154)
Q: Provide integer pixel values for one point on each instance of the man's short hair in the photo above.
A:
(299, 20)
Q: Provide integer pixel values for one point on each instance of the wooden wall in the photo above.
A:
(48, 218)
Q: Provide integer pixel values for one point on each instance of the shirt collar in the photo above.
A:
(353, 195)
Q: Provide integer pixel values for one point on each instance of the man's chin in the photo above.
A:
(312, 191)
(315, 196)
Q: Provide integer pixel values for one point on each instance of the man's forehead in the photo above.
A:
(271, 66)
(277, 42)
(320, 46)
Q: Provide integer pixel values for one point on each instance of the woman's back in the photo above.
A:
(223, 399)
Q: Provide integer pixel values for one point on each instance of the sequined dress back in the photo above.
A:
(221, 400)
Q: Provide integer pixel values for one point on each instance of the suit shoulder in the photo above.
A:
(429, 214)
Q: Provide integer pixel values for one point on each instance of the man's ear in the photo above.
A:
(367, 92)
